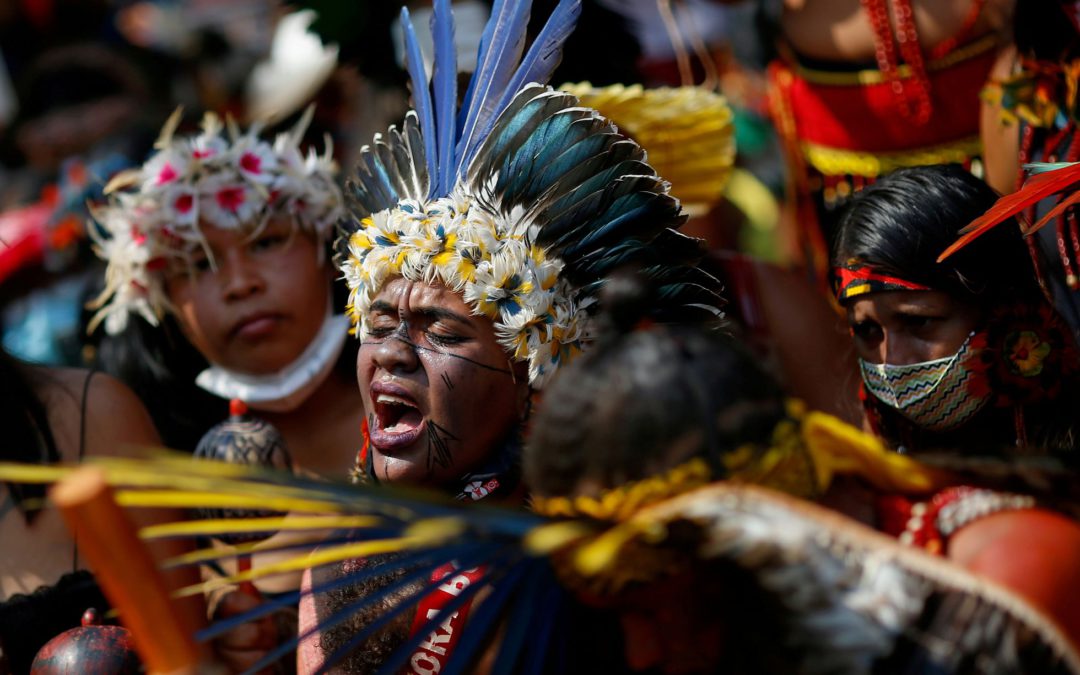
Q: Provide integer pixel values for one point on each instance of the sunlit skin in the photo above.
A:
(905, 327)
(440, 390)
(261, 302)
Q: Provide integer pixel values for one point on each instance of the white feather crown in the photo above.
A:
(231, 180)
(491, 261)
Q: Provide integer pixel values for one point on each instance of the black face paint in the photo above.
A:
(447, 381)
(418, 349)
(439, 447)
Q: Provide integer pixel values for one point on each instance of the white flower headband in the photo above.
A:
(240, 181)
(455, 241)
(522, 201)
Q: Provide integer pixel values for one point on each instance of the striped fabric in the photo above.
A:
(934, 395)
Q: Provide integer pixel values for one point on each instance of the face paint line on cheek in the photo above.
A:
(447, 381)
(438, 447)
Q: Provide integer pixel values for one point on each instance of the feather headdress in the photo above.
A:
(689, 133)
(229, 179)
(521, 200)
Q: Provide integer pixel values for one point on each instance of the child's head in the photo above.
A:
(228, 233)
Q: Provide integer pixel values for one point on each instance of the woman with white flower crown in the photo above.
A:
(218, 252)
(223, 237)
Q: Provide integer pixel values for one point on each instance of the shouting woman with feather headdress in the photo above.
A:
(484, 234)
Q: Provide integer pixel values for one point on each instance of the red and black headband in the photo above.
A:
(856, 278)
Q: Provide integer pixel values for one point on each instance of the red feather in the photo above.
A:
(1054, 213)
(1035, 189)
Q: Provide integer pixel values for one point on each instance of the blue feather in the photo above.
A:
(1034, 168)
(582, 207)
(544, 617)
(624, 211)
(521, 621)
(479, 627)
(559, 159)
(515, 169)
(421, 98)
(544, 54)
(599, 183)
(493, 73)
(444, 84)
(378, 624)
(481, 54)
(520, 118)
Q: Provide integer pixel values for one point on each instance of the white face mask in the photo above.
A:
(935, 395)
(286, 389)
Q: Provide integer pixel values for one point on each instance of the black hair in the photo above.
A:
(903, 222)
(160, 366)
(27, 435)
(646, 398)
(1044, 30)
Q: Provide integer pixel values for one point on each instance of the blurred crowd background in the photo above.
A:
(85, 86)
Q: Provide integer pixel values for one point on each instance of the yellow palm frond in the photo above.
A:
(285, 523)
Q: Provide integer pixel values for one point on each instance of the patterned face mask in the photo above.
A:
(934, 395)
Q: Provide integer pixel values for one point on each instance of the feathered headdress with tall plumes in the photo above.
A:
(221, 176)
(520, 199)
(829, 594)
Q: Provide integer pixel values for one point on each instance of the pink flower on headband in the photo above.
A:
(221, 178)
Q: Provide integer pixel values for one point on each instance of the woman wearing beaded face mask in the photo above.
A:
(965, 354)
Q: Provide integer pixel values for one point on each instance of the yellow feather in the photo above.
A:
(436, 529)
(173, 499)
(11, 472)
(545, 539)
(290, 523)
(216, 553)
(603, 551)
(322, 556)
(838, 447)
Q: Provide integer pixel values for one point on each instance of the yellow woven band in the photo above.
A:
(837, 162)
(619, 504)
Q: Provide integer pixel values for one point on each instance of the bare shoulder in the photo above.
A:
(115, 419)
(1034, 552)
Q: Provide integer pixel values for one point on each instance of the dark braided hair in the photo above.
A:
(646, 398)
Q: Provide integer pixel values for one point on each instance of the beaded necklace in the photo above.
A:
(906, 37)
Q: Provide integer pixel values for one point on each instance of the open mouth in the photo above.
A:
(396, 414)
